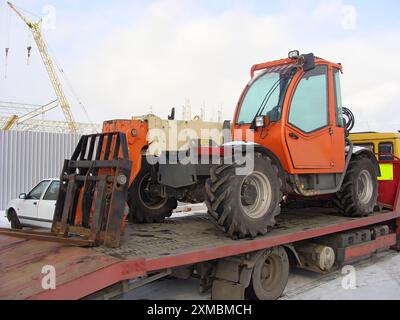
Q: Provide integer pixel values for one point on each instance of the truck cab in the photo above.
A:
(386, 147)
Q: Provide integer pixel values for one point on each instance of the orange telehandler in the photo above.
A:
(292, 112)
(289, 131)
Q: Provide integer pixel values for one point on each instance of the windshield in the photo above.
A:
(264, 93)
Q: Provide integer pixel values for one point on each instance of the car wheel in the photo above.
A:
(13, 218)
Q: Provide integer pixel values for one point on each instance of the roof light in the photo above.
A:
(295, 54)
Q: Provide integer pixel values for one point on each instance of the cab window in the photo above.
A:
(265, 93)
(309, 107)
(386, 151)
(338, 99)
(52, 191)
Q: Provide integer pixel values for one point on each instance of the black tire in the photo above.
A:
(142, 207)
(359, 192)
(270, 275)
(13, 218)
(228, 205)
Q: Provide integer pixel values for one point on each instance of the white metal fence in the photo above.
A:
(28, 157)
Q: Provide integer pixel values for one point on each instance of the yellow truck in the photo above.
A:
(386, 147)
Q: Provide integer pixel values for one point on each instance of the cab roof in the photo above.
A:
(288, 61)
(370, 136)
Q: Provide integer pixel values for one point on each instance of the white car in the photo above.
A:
(35, 209)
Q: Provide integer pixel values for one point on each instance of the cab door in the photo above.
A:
(308, 131)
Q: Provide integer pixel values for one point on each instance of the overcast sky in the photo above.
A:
(125, 57)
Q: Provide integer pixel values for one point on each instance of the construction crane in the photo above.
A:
(62, 100)
(14, 119)
(17, 120)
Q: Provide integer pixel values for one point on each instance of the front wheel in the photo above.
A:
(143, 206)
(359, 193)
(13, 218)
(245, 205)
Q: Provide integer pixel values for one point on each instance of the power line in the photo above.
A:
(69, 84)
(75, 94)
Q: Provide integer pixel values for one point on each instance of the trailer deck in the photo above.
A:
(147, 248)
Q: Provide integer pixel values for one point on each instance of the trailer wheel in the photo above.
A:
(270, 275)
(13, 219)
(359, 192)
(143, 207)
(245, 206)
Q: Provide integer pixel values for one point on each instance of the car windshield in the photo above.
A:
(264, 93)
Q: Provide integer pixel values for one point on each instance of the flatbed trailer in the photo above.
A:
(150, 252)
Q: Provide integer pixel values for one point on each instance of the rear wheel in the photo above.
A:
(270, 275)
(245, 205)
(143, 206)
(13, 218)
(359, 192)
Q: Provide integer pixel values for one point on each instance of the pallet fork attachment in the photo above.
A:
(92, 198)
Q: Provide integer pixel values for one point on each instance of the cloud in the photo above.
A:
(371, 87)
(167, 57)
(164, 59)
(327, 11)
(349, 17)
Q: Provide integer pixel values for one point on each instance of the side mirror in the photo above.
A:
(22, 196)
(274, 114)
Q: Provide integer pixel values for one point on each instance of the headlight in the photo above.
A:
(260, 122)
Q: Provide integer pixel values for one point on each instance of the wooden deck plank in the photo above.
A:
(21, 264)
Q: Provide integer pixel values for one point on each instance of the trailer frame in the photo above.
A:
(119, 271)
(151, 252)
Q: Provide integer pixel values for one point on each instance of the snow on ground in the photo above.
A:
(376, 279)
(3, 220)
(184, 210)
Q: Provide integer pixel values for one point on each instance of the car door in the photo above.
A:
(308, 130)
(48, 203)
(28, 208)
